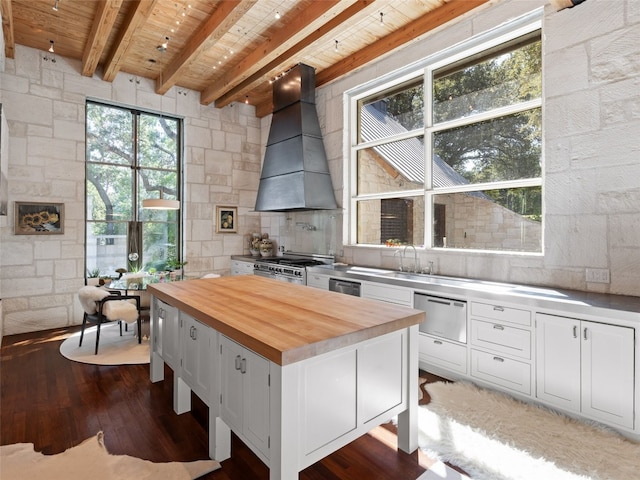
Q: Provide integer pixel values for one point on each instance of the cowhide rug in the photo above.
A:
(91, 460)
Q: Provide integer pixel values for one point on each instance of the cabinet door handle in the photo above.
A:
(498, 309)
(584, 333)
(498, 327)
(195, 333)
(498, 359)
(437, 342)
(243, 366)
(238, 360)
(575, 331)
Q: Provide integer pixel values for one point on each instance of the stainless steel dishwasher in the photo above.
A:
(344, 286)
(446, 318)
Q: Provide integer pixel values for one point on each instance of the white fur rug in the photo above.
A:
(494, 437)
(113, 349)
(90, 460)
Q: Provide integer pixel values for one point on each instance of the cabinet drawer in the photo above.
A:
(387, 293)
(501, 338)
(501, 371)
(501, 314)
(318, 281)
(441, 353)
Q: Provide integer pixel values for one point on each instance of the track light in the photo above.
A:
(381, 17)
(163, 47)
(277, 15)
(55, 6)
(51, 50)
(336, 45)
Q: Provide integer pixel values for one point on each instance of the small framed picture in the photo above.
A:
(39, 218)
(226, 219)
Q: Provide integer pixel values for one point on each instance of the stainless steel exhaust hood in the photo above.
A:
(295, 171)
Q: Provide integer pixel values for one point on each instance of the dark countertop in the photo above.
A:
(557, 301)
(244, 258)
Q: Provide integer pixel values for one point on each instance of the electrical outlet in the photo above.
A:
(598, 275)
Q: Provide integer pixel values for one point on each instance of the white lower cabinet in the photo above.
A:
(500, 370)
(318, 280)
(387, 293)
(442, 353)
(244, 395)
(500, 346)
(196, 356)
(586, 367)
(168, 324)
(241, 267)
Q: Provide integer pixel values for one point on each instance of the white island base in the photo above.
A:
(316, 399)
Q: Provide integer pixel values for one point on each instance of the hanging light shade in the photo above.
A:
(161, 203)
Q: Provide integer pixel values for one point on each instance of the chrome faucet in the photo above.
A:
(416, 268)
(399, 253)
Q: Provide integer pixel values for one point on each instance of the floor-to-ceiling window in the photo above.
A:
(131, 156)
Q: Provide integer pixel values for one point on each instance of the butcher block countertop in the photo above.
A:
(283, 322)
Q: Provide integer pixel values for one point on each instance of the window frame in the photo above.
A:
(136, 219)
(478, 46)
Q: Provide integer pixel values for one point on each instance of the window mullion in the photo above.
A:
(135, 167)
(488, 115)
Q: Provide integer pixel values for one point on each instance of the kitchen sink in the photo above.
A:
(450, 281)
(425, 277)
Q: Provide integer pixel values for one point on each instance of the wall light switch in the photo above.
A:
(598, 275)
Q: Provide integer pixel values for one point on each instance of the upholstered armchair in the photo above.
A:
(102, 306)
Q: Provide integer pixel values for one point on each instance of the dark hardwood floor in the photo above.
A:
(55, 404)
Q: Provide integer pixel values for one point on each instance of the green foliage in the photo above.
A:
(504, 148)
(93, 273)
(407, 106)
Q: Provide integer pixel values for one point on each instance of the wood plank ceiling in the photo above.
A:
(228, 51)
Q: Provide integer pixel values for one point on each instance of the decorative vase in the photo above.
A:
(266, 248)
(254, 244)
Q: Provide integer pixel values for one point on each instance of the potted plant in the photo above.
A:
(93, 276)
(175, 266)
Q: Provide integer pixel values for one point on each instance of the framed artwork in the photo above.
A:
(44, 218)
(226, 219)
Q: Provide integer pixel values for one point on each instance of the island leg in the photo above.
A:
(408, 420)
(181, 395)
(284, 413)
(219, 438)
(156, 363)
(156, 368)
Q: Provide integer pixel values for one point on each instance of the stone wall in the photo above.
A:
(44, 104)
(591, 118)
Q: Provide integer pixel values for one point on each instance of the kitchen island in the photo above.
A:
(295, 372)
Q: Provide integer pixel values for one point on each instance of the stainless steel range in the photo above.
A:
(291, 267)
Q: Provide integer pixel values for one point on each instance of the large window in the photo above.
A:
(131, 156)
(451, 156)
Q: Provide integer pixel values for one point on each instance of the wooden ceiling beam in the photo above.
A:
(411, 31)
(137, 16)
(271, 49)
(7, 29)
(221, 21)
(101, 28)
(287, 57)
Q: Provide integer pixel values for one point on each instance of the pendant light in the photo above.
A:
(161, 203)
